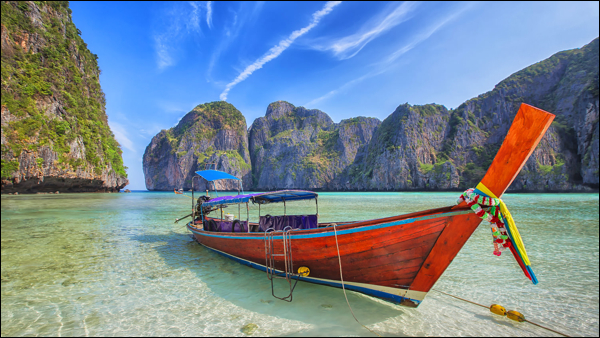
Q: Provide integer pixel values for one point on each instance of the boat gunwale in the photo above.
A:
(341, 229)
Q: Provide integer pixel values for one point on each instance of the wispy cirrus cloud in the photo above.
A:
(209, 14)
(194, 18)
(174, 107)
(121, 135)
(389, 62)
(180, 20)
(342, 88)
(349, 46)
(163, 52)
(424, 35)
(245, 15)
(275, 51)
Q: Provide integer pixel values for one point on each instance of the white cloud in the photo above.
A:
(342, 88)
(163, 56)
(178, 21)
(194, 21)
(424, 35)
(121, 136)
(245, 15)
(209, 14)
(174, 107)
(150, 131)
(275, 51)
(350, 45)
(385, 65)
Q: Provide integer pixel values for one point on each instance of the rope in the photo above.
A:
(464, 300)
(468, 301)
(342, 279)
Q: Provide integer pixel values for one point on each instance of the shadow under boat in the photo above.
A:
(320, 306)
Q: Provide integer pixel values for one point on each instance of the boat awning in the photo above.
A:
(213, 175)
(263, 198)
(287, 195)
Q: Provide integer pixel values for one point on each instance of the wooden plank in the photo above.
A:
(452, 239)
(526, 131)
(528, 128)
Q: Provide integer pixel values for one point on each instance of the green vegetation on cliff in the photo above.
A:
(222, 115)
(212, 133)
(44, 65)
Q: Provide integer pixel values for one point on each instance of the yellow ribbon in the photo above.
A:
(510, 223)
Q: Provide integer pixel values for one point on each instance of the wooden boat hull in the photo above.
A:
(391, 258)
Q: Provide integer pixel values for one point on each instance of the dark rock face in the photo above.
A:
(428, 147)
(292, 147)
(211, 133)
(55, 134)
(405, 143)
(565, 85)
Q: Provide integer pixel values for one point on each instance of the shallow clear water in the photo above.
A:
(115, 264)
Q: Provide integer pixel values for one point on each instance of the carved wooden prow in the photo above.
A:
(528, 128)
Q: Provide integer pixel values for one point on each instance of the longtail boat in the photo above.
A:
(397, 258)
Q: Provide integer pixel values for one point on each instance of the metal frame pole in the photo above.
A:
(193, 209)
(317, 204)
(248, 216)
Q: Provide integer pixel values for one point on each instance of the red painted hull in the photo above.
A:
(390, 255)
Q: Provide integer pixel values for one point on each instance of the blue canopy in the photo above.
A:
(213, 175)
(264, 198)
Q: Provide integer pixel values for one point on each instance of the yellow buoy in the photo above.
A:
(303, 271)
(516, 316)
(498, 309)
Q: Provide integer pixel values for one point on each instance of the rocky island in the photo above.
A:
(211, 133)
(55, 134)
(427, 147)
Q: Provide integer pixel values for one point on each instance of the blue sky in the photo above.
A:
(161, 59)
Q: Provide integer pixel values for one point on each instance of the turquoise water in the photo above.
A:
(116, 264)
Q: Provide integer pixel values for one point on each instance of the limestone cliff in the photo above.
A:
(210, 133)
(293, 147)
(565, 84)
(402, 149)
(430, 148)
(55, 134)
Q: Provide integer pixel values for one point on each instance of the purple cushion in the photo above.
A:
(293, 221)
(226, 226)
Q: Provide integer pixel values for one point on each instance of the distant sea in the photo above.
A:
(117, 265)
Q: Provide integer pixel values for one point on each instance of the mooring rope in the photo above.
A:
(342, 279)
(525, 320)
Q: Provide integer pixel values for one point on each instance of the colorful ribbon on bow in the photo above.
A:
(504, 230)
